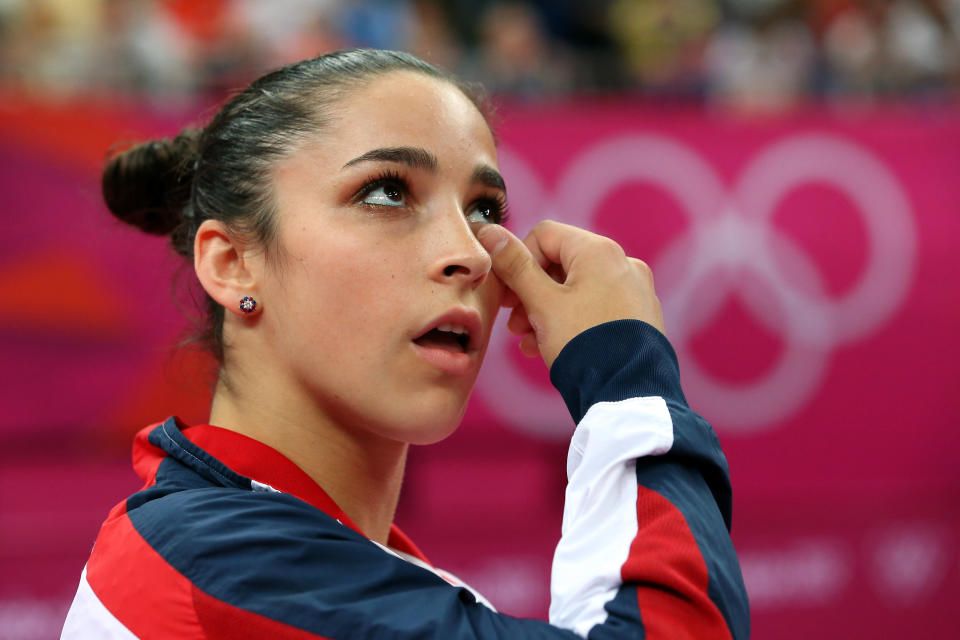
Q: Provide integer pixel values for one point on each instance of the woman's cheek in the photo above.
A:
(493, 294)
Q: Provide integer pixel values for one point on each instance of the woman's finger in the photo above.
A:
(519, 323)
(529, 346)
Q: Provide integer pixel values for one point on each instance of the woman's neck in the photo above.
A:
(361, 471)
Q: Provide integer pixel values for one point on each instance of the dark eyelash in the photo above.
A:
(390, 176)
(501, 211)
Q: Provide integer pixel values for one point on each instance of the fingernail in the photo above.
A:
(493, 238)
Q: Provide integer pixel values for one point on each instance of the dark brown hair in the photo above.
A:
(223, 171)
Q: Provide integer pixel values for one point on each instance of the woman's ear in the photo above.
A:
(223, 267)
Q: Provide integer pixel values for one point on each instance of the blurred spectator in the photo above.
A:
(851, 47)
(433, 37)
(762, 67)
(254, 36)
(515, 54)
(758, 53)
(895, 46)
(379, 24)
(662, 41)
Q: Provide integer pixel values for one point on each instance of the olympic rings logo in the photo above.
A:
(731, 246)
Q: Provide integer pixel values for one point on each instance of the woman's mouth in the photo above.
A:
(448, 336)
(451, 341)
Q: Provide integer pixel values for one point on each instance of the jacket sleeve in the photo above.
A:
(646, 521)
(645, 550)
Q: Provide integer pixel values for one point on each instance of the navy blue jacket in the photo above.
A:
(229, 539)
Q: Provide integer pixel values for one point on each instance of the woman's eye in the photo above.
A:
(487, 211)
(386, 194)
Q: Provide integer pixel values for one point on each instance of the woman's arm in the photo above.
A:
(647, 515)
(646, 521)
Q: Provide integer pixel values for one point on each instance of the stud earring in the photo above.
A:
(247, 304)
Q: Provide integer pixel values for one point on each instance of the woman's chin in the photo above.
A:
(433, 436)
(425, 426)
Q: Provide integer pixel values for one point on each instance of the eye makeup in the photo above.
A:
(397, 194)
(391, 182)
(493, 209)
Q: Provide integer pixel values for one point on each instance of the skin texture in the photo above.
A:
(325, 371)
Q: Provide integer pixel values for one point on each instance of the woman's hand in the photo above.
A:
(563, 280)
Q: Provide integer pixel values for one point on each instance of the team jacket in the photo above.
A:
(229, 539)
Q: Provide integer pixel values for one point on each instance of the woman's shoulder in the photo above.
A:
(200, 554)
(194, 523)
(203, 553)
(169, 543)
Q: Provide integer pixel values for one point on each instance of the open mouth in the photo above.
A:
(449, 337)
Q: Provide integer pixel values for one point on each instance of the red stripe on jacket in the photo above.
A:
(154, 601)
(138, 586)
(665, 553)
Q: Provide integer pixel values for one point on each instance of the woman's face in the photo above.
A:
(380, 310)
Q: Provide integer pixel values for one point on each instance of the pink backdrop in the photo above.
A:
(806, 268)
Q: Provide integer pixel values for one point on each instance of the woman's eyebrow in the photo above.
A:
(420, 158)
(414, 157)
(488, 176)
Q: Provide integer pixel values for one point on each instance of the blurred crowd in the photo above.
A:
(762, 52)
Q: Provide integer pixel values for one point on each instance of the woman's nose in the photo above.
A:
(460, 257)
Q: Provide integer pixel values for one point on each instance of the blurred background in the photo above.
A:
(789, 169)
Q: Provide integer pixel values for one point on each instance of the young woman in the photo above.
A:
(342, 214)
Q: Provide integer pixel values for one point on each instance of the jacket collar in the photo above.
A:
(232, 459)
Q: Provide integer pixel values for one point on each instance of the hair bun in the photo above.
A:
(148, 184)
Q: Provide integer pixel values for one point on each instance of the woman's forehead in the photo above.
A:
(409, 109)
